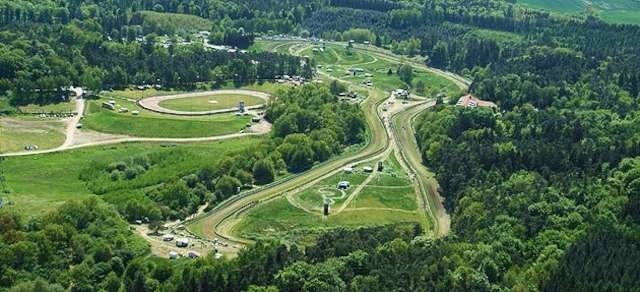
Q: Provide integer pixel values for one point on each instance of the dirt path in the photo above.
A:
(256, 130)
(357, 191)
(427, 186)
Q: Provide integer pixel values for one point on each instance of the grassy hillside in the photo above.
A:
(617, 11)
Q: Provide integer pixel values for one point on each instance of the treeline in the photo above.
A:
(81, 246)
(105, 255)
(107, 64)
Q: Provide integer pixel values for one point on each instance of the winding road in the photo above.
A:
(220, 220)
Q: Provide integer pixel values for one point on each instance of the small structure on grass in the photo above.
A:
(473, 102)
(182, 242)
(173, 255)
(348, 169)
(343, 185)
(401, 93)
(241, 106)
(110, 105)
(367, 169)
(380, 166)
(325, 208)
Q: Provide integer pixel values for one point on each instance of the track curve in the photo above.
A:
(153, 103)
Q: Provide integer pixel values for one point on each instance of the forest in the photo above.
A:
(544, 193)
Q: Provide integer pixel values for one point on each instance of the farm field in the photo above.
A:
(614, 11)
(39, 183)
(211, 102)
(18, 132)
(149, 124)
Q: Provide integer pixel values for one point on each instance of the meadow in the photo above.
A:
(20, 131)
(39, 183)
(279, 217)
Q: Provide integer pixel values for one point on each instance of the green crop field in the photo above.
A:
(615, 11)
(18, 132)
(40, 183)
(210, 102)
(107, 121)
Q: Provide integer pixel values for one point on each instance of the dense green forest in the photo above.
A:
(544, 193)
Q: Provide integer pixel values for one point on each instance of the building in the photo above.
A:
(473, 102)
(343, 185)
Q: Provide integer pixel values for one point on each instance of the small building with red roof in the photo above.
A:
(473, 102)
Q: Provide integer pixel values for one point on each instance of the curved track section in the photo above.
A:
(153, 103)
(220, 220)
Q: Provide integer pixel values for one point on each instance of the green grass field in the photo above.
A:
(16, 133)
(312, 198)
(149, 125)
(388, 198)
(210, 102)
(279, 217)
(615, 11)
(41, 182)
(335, 61)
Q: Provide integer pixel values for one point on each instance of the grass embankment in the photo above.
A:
(39, 183)
(210, 102)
